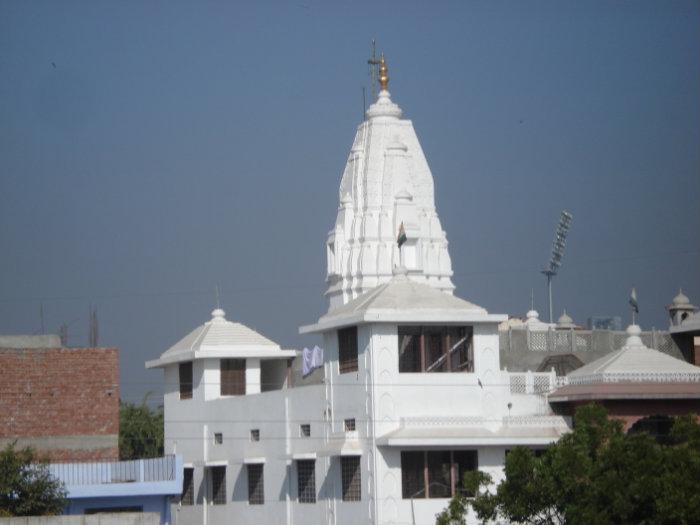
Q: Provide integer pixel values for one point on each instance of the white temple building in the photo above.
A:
(413, 392)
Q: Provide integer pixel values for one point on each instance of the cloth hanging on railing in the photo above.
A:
(311, 360)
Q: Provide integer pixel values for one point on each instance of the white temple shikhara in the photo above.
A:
(386, 182)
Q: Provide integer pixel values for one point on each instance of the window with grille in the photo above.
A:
(187, 497)
(306, 480)
(255, 434)
(232, 377)
(185, 372)
(351, 478)
(305, 430)
(435, 473)
(218, 438)
(436, 349)
(256, 485)
(347, 350)
(218, 485)
(350, 425)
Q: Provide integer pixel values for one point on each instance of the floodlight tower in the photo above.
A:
(557, 254)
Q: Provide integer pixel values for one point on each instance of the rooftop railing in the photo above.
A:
(103, 472)
(522, 339)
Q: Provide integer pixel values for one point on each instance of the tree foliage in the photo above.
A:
(595, 474)
(27, 488)
(140, 431)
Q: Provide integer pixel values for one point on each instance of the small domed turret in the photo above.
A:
(680, 308)
(218, 313)
(565, 321)
(681, 299)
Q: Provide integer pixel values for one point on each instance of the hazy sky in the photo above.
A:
(152, 150)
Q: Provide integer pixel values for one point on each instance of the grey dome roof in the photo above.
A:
(681, 299)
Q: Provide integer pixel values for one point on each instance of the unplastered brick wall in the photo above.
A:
(63, 401)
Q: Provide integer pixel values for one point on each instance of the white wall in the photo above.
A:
(190, 426)
(376, 395)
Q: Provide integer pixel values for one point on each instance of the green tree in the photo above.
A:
(140, 431)
(595, 474)
(27, 488)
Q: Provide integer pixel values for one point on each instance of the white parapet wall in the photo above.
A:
(117, 518)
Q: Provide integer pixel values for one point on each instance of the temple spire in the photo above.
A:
(386, 187)
(383, 74)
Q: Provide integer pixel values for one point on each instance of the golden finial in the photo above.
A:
(383, 73)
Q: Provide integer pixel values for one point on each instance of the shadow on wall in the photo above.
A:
(240, 486)
(286, 487)
(331, 481)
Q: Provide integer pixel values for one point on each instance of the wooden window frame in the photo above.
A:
(420, 466)
(186, 387)
(446, 341)
(454, 481)
(347, 350)
(232, 374)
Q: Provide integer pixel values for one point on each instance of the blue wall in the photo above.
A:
(159, 504)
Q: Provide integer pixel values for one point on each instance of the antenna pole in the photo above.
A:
(373, 69)
(94, 337)
(41, 317)
(63, 334)
(549, 293)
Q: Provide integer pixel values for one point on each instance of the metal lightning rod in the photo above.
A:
(558, 246)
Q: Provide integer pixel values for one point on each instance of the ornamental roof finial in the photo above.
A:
(383, 74)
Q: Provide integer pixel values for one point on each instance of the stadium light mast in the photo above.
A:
(557, 254)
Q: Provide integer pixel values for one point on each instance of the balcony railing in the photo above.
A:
(101, 473)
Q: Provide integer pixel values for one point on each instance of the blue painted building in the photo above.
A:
(143, 485)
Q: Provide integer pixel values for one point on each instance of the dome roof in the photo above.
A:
(565, 321)
(402, 300)
(532, 314)
(681, 299)
(533, 321)
(221, 338)
(635, 363)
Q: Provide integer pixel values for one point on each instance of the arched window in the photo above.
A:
(658, 427)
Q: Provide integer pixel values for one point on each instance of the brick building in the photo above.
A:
(62, 401)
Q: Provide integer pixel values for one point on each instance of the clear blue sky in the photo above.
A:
(152, 150)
